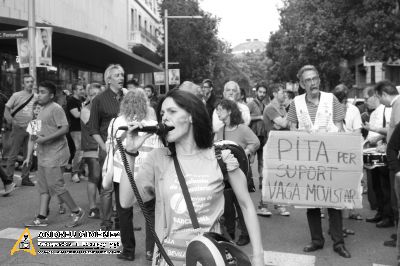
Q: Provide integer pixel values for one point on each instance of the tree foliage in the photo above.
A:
(191, 42)
(327, 33)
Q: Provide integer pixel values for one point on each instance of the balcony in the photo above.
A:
(143, 37)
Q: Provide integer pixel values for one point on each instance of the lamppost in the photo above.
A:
(166, 17)
(32, 37)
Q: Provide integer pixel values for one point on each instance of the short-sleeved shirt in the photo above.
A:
(352, 120)
(337, 112)
(24, 116)
(74, 123)
(55, 152)
(157, 177)
(104, 108)
(256, 109)
(271, 112)
(88, 143)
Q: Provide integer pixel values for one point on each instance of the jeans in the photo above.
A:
(125, 216)
(335, 226)
(105, 195)
(19, 138)
(76, 162)
(4, 178)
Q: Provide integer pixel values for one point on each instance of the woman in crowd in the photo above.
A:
(191, 141)
(234, 129)
(134, 106)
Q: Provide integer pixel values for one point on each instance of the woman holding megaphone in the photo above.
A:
(189, 154)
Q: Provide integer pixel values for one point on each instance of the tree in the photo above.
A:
(191, 42)
(327, 33)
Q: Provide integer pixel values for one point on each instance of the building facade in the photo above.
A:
(88, 35)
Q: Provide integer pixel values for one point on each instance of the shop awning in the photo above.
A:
(86, 50)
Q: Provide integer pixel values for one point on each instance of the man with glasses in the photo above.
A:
(389, 97)
(303, 116)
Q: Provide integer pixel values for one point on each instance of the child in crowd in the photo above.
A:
(33, 128)
(52, 154)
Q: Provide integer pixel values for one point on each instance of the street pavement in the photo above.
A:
(283, 237)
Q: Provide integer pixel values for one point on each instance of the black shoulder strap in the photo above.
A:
(384, 117)
(22, 106)
(186, 195)
(223, 133)
(222, 164)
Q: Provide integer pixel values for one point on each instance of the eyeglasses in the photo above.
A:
(206, 87)
(312, 80)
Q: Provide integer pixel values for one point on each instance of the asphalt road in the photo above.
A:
(284, 237)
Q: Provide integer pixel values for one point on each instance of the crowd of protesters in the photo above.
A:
(79, 137)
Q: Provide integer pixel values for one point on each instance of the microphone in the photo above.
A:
(159, 129)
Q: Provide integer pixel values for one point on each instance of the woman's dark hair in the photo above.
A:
(341, 91)
(202, 126)
(243, 94)
(236, 115)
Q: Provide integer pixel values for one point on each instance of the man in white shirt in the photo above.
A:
(232, 92)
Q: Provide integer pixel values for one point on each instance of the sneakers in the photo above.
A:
(75, 178)
(38, 222)
(27, 182)
(8, 189)
(76, 219)
(149, 255)
(94, 213)
(282, 211)
(243, 240)
(263, 211)
(61, 209)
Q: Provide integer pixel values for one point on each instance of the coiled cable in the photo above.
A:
(140, 201)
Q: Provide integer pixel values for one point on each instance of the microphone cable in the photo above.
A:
(140, 201)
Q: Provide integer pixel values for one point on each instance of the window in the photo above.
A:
(132, 19)
(151, 29)
(140, 22)
(145, 25)
(373, 74)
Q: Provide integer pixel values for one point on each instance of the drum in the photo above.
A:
(373, 159)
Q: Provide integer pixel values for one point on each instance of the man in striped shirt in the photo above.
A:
(302, 115)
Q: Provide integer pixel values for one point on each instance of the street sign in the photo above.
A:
(13, 34)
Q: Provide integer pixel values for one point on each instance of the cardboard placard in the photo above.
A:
(313, 169)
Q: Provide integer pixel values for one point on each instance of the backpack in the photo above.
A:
(240, 155)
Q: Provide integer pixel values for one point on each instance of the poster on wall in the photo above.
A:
(23, 51)
(173, 77)
(44, 46)
(313, 170)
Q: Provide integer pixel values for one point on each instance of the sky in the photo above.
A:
(244, 19)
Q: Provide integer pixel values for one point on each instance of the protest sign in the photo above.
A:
(313, 169)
